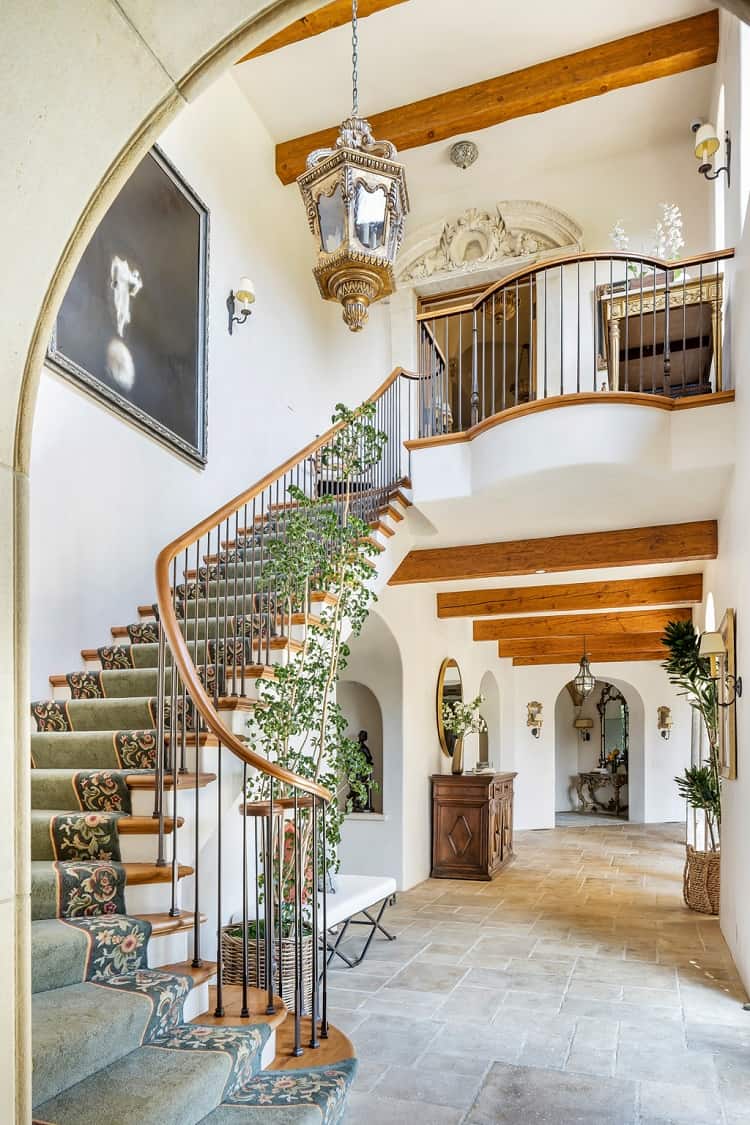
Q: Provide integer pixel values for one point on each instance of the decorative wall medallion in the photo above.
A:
(519, 230)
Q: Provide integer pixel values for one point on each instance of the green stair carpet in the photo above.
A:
(110, 1046)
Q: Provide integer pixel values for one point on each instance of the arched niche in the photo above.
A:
(362, 712)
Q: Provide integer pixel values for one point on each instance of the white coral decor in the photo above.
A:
(461, 718)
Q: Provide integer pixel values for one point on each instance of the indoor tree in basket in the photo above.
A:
(700, 784)
(460, 719)
(298, 724)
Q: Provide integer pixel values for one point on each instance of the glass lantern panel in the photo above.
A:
(332, 219)
(369, 216)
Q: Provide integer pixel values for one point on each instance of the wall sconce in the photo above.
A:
(664, 722)
(706, 144)
(714, 647)
(240, 302)
(583, 726)
(534, 718)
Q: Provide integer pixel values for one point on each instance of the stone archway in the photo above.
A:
(85, 90)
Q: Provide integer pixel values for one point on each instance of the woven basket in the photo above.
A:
(231, 956)
(701, 880)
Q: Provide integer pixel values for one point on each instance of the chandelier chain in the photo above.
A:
(355, 61)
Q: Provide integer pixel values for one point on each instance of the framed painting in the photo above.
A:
(132, 327)
(728, 712)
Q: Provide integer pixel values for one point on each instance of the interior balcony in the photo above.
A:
(594, 385)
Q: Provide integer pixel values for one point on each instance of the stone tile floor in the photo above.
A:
(575, 988)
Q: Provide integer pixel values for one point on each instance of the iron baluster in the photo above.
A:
(219, 1010)
(324, 858)
(297, 931)
(268, 901)
(244, 1011)
(314, 1043)
(160, 745)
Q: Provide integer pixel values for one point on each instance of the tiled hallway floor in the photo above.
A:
(575, 988)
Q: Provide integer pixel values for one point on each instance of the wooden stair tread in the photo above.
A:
(146, 610)
(166, 923)
(184, 780)
(145, 825)
(332, 1050)
(138, 874)
(257, 999)
(185, 969)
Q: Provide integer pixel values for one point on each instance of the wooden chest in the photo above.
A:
(472, 824)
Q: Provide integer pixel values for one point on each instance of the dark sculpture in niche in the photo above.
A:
(365, 775)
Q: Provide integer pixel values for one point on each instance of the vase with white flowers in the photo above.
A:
(461, 719)
(668, 240)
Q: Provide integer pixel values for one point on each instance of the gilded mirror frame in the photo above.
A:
(449, 662)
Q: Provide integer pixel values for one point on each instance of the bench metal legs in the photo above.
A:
(375, 924)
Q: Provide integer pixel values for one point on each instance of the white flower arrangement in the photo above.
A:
(461, 718)
(668, 236)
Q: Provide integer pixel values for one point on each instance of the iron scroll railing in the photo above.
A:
(220, 629)
(587, 323)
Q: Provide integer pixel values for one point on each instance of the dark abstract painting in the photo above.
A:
(132, 325)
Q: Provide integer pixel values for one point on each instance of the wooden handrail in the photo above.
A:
(181, 659)
(571, 260)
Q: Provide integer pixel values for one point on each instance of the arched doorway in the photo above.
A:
(364, 716)
(77, 130)
(609, 723)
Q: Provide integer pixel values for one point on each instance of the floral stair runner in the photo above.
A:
(110, 1046)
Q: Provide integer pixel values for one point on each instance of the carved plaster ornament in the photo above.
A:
(514, 230)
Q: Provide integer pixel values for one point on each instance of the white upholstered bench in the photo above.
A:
(357, 895)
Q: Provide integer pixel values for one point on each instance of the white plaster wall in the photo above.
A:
(654, 762)
(372, 846)
(105, 497)
(729, 577)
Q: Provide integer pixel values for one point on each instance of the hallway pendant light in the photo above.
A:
(356, 199)
(584, 680)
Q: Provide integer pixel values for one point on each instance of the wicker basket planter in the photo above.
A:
(231, 955)
(701, 881)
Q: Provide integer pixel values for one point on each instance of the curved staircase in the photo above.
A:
(130, 1023)
(111, 1037)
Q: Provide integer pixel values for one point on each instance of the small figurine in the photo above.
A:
(357, 805)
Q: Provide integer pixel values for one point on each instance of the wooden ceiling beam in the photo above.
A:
(635, 546)
(656, 53)
(599, 656)
(624, 593)
(562, 646)
(579, 625)
(325, 18)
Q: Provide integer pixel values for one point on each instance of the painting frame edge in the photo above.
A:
(117, 404)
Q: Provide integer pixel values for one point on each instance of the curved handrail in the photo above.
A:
(181, 657)
(571, 259)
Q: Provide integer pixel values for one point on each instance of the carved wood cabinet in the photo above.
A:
(472, 824)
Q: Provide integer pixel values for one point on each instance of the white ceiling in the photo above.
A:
(425, 47)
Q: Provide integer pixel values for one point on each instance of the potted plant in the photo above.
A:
(321, 546)
(700, 784)
(460, 719)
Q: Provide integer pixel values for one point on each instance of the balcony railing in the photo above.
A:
(589, 323)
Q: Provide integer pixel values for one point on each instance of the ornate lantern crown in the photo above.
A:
(356, 199)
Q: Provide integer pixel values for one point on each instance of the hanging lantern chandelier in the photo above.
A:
(356, 199)
(584, 679)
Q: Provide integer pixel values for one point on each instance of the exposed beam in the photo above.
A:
(656, 53)
(331, 15)
(636, 546)
(599, 656)
(579, 625)
(624, 593)
(562, 646)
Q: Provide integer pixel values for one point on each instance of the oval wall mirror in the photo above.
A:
(449, 690)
